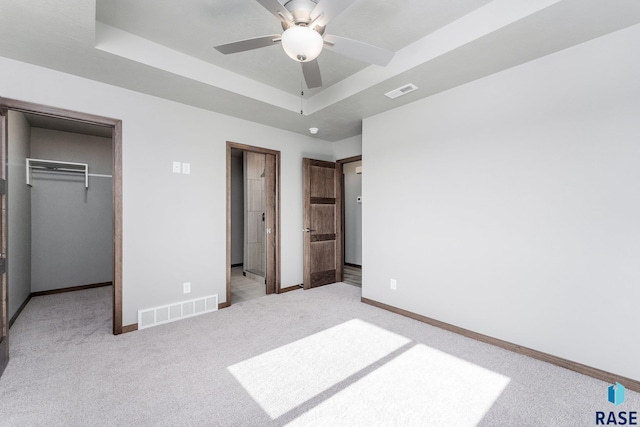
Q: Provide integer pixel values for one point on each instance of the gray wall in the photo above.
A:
(19, 215)
(510, 206)
(348, 147)
(237, 210)
(72, 227)
(352, 214)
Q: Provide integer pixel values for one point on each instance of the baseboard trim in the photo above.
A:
(70, 289)
(290, 288)
(130, 328)
(353, 265)
(545, 357)
(15, 316)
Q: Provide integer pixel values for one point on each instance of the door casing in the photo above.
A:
(116, 144)
(272, 175)
(4, 308)
(342, 219)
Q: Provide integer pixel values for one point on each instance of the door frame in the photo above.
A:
(4, 284)
(116, 146)
(342, 216)
(274, 213)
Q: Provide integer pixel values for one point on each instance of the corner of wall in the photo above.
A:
(348, 147)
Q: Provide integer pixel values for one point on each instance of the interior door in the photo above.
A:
(4, 326)
(322, 223)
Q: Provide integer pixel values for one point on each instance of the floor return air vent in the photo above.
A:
(180, 310)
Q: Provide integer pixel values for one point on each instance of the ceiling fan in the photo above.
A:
(304, 23)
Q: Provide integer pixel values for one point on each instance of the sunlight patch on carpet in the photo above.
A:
(285, 378)
(422, 386)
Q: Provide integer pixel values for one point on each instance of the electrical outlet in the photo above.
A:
(186, 168)
(186, 287)
(394, 284)
(177, 167)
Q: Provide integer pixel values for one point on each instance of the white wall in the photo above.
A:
(510, 206)
(174, 225)
(71, 226)
(19, 215)
(352, 213)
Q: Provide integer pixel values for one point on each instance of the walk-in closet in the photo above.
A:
(60, 212)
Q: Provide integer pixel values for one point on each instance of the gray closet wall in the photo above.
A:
(71, 227)
(19, 213)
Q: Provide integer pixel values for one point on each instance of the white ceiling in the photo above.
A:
(165, 48)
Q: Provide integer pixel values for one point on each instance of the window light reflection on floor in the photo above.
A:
(416, 385)
(284, 378)
(421, 386)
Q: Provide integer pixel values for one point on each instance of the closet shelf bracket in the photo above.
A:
(57, 166)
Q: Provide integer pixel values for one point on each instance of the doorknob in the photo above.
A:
(308, 230)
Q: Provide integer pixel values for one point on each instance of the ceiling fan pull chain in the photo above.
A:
(301, 96)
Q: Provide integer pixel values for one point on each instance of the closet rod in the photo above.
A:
(44, 169)
(57, 166)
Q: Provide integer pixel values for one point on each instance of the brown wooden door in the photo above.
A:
(4, 325)
(322, 223)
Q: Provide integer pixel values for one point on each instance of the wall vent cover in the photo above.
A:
(180, 310)
(401, 91)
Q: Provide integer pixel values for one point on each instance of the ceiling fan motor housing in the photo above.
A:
(301, 10)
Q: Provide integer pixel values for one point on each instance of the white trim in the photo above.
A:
(207, 309)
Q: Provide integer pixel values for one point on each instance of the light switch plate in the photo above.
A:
(186, 287)
(186, 168)
(176, 167)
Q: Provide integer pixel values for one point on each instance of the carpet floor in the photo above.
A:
(305, 358)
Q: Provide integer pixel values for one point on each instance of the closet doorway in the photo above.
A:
(253, 222)
(48, 152)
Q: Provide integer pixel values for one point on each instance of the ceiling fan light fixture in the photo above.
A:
(301, 43)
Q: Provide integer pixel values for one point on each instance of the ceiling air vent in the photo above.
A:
(401, 91)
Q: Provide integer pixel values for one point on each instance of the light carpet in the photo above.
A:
(303, 358)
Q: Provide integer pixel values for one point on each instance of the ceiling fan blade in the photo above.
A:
(358, 50)
(329, 9)
(248, 44)
(277, 9)
(311, 72)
